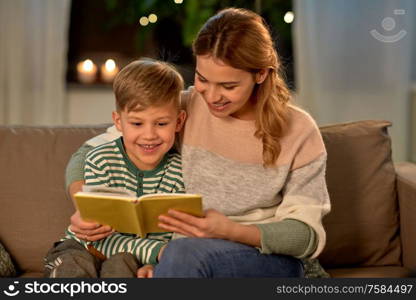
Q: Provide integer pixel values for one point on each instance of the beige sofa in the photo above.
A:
(371, 228)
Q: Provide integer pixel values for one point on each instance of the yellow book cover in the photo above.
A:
(129, 214)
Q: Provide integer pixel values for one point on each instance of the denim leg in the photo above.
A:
(216, 258)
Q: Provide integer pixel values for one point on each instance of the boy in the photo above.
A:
(148, 115)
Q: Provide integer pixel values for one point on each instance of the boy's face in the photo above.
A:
(150, 133)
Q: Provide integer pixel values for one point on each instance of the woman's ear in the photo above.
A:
(117, 120)
(180, 121)
(261, 75)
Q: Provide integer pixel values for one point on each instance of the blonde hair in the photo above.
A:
(241, 39)
(147, 82)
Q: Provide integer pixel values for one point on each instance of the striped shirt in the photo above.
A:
(109, 165)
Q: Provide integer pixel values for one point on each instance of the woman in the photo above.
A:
(258, 161)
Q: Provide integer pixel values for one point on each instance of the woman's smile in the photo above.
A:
(221, 106)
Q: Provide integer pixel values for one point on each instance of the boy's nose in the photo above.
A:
(150, 132)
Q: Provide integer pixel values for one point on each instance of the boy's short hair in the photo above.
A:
(147, 82)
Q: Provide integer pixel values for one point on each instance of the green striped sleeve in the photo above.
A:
(95, 174)
(147, 250)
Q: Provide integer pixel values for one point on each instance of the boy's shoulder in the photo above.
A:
(173, 161)
(108, 149)
(174, 156)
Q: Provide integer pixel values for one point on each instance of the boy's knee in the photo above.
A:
(70, 259)
(120, 265)
(73, 265)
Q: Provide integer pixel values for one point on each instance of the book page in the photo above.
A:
(106, 189)
(155, 205)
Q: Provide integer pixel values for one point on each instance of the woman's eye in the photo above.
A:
(202, 79)
(229, 87)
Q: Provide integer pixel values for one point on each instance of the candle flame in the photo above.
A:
(110, 65)
(87, 65)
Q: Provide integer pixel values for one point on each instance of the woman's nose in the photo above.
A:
(212, 94)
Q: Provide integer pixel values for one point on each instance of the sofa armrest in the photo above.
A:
(406, 189)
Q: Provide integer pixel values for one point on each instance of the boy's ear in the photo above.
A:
(180, 121)
(261, 75)
(117, 120)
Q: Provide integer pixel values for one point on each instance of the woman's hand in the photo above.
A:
(213, 225)
(88, 231)
(145, 271)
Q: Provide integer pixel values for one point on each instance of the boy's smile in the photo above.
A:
(148, 134)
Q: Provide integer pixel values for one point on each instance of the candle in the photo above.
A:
(109, 70)
(87, 71)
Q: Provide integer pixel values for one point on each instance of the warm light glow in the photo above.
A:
(289, 17)
(144, 21)
(152, 18)
(87, 65)
(109, 70)
(86, 71)
(110, 65)
(178, 1)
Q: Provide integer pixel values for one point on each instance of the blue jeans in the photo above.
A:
(215, 258)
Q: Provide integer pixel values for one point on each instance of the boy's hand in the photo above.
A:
(145, 272)
(88, 231)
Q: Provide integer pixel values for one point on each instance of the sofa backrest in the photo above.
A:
(363, 225)
(362, 228)
(34, 208)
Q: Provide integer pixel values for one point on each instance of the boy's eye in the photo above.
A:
(162, 123)
(229, 87)
(137, 124)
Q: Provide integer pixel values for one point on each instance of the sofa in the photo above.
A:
(371, 229)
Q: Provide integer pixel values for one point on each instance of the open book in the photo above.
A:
(128, 214)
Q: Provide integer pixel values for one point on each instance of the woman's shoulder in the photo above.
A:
(302, 142)
(188, 98)
(300, 119)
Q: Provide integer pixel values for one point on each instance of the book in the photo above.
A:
(127, 213)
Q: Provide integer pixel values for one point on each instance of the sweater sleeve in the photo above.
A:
(305, 199)
(288, 237)
(75, 167)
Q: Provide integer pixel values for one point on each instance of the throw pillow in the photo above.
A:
(362, 227)
(7, 268)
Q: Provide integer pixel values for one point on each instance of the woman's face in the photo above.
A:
(225, 89)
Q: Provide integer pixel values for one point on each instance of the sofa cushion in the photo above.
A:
(363, 225)
(371, 272)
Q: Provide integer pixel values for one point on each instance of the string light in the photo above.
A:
(289, 17)
(152, 18)
(178, 1)
(144, 21)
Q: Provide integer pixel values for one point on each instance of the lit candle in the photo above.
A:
(109, 70)
(87, 71)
